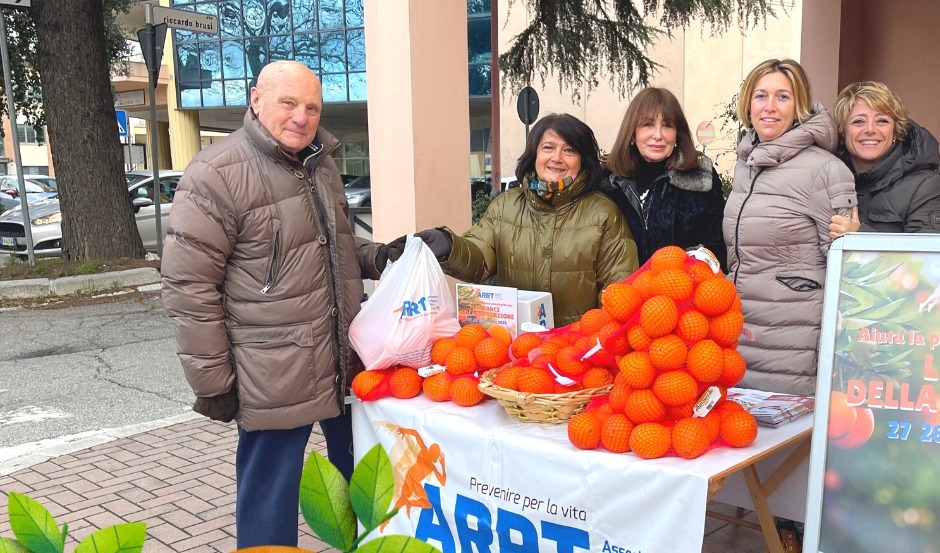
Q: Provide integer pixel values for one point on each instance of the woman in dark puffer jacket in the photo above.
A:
(669, 193)
(894, 161)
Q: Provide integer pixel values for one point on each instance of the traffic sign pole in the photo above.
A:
(153, 54)
(14, 131)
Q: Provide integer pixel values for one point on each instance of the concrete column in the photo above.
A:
(419, 115)
(184, 141)
(819, 48)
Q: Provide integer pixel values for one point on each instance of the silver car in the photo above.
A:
(359, 192)
(46, 217)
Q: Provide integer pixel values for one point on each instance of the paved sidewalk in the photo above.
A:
(180, 480)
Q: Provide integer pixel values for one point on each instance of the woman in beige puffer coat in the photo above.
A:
(787, 187)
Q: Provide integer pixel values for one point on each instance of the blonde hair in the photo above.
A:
(878, 97)
(793, 71)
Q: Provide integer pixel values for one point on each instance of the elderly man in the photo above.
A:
(262, 276)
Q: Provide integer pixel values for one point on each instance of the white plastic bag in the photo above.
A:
(410, 309)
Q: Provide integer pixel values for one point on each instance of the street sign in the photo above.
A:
(15, 3)
(186, 20)
(152, 38)
(122, 122)
(129, 98)
(528, 105)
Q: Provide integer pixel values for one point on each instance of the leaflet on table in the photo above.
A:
(771, 409)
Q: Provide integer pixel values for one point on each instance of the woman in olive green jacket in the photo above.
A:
(556, 233)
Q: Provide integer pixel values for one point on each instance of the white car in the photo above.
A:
(46, 217)
(37, 187)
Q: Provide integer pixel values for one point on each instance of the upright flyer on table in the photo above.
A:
(503, 305)
(875, 467)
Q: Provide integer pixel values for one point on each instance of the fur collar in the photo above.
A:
(696, 179)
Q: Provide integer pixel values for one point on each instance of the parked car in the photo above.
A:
(46, 217)
(359, 192)
(37, 188)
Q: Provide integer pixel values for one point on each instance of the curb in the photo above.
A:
(39, 287)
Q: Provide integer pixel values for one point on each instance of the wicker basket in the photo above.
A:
(546, 408)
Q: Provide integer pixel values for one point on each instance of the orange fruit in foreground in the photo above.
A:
(491, 353)
(739, 429)
(615, 433)
(643, 406)
(500, 333)
(692, 326)
(568, 362)
(470, 335)
(638, 339)
(637, 370)
(690, 438)
(460, 361)
(595, 377)
(700, 271)
(659, 316)
(621, 300)
(533, 380)
(650, 440)
(842, 416)
(524, 343)
(584, 430)
(674, 283)
(465, 391)
(706, 361)
(861, 431)
(618, 396)
(593, 320)
(437, 386)
(405, 383)
(370, 385)
(441, 348)
(714, 296)
(675, 388)
(734, 369)
(508, 378)
(668, 257)
(668, 352)
(679, 412)
(643, 283)
(725, 328)
(713, 424)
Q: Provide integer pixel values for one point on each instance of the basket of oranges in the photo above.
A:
(558, 405)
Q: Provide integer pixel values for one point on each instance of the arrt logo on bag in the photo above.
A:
(413, 463)
(423, 306)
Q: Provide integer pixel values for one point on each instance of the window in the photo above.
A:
(28, 135)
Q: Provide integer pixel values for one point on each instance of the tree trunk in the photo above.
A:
(97, 216)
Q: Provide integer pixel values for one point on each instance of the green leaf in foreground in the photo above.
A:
(120, 538)
(397, 544)
(9, 545)
(33, 525)
(372, 487)
(324, 502)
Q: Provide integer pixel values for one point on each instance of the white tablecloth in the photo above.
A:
(508, 482)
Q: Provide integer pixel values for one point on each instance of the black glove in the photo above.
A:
(219, 408)
(438, 241)
(390, 252)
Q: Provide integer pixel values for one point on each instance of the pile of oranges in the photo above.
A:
(466, 354)
(673, 335)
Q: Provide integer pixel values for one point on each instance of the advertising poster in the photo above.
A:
(880, 480)
(487, 305)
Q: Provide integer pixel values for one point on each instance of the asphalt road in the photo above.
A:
(76, 376)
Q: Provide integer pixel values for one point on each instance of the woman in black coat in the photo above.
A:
(669, 192)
